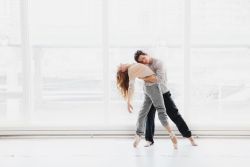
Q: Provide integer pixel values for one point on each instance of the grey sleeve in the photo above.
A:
(160, 71)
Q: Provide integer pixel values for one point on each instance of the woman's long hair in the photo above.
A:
(122, 82)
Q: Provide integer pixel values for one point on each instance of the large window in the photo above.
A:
(76, 45)
(155, 27)
(67, 49)
(220, 58)
(10, 64)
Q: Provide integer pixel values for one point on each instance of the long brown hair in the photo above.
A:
(122, 82)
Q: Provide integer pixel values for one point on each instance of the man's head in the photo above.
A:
(142, 57)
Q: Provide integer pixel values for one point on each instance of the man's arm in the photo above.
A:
(152, 79)
(160, 71)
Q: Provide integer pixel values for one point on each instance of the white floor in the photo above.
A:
(118, 152)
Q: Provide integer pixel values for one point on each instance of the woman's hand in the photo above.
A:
(130, 108)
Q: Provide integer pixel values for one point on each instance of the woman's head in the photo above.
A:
(122, 80)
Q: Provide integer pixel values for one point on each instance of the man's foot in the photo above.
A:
(148, 144)
(174, 140)
(192, 141)
(137, 141)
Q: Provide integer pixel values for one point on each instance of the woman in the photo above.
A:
(126, 75)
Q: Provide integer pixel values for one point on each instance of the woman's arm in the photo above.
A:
(130, 94)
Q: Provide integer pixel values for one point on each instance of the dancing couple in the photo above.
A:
(157, 97)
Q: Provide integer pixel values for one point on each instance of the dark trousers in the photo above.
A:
(173, 114)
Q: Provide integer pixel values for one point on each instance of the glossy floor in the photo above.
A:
(118, 152)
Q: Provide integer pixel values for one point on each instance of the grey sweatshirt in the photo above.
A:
(158, 67)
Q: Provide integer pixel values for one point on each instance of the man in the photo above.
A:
(172, 111)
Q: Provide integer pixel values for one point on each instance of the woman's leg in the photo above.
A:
(155, 94)
(140, 125)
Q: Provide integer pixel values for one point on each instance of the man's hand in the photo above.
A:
(152, 79)
(130, 108)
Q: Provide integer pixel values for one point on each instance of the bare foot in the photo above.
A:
(148, 144)
(192, 141)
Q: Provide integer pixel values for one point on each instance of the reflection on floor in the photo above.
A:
(118, 152)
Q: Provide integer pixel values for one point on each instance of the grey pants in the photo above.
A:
(153, 95)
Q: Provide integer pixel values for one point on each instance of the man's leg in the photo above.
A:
(150, 126)
(175, 116)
